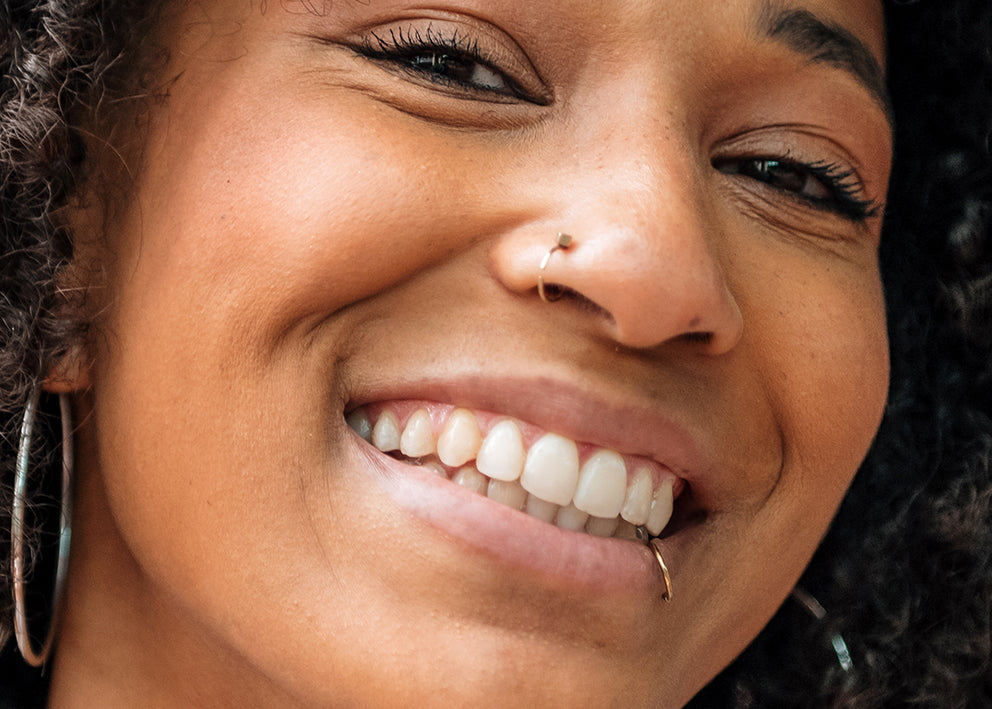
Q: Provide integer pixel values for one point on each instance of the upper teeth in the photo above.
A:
(606, 493)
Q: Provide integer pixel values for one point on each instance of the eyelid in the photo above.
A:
(844, 200)
(798, 145)
(492, 47)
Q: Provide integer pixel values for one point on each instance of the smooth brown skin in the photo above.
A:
(306, 224)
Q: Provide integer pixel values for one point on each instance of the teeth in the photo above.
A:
(602, 484)
(602, 527)
(552, 469)
(506, 493)
(502, 455)
(460, 440)
(358, 421)
(546, 482)
(661, 508)
(570, 517)
(470, 478)
(386, 434)
(418, 438)
(540, 509)
(626, 530)
(637, 503)
(437, 468)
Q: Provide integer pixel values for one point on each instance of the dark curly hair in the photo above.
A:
(61, 68)
(904, 571)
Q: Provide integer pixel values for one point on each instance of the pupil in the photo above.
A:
(774, 173)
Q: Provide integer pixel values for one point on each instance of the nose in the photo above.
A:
(645, 247)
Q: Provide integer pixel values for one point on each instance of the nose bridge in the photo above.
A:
(646, 249)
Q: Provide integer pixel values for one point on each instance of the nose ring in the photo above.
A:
(562, 242)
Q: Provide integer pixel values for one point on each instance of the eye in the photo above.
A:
(824, 186)
(464, 70)
(452, 61)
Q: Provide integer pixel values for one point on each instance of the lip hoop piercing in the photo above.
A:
(563, 241)
(667, 595)
(652, 542)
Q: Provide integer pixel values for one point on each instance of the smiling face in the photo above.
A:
(342, 215)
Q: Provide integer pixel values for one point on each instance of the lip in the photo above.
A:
(562, 557)
(568, 560)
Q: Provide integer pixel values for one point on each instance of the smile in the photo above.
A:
(576, 486)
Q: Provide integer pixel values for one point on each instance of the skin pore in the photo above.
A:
(344, 209)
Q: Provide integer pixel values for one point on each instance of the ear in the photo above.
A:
(70, 371)
(70, 374)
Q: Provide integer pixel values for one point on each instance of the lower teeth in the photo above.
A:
(511, 494)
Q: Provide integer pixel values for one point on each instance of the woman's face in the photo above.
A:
(339, 210)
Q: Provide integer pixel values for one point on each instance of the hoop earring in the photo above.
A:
(30, 655)
(813, 607)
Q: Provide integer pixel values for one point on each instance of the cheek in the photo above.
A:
(830, 385)
(279, 211)
(255, 220)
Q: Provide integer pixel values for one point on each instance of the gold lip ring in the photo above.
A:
(667, 596)
(563, 241)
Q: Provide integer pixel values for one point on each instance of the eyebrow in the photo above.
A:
(822, 42)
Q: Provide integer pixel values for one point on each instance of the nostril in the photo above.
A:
(698, 338)
(587, 306)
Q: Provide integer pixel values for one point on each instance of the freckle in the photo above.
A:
(694, 322)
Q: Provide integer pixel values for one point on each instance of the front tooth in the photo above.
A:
(460, 440)
(570, 517)
(358, 421)
(661, 508)
(470, 478)
(386, 433)
(602, 484)
(552, 469)
(637, 504)
(418, 438)
(507, 493)
(602, 527)
(540, 509)
(501, 456)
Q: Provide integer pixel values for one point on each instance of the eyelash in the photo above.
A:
(409, 50)
(840, 183)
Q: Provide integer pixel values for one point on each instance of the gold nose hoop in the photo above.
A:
(563, 241)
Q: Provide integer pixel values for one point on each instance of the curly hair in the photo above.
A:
(60, 62)
(904, 571)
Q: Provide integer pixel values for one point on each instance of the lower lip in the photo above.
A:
(504, 535)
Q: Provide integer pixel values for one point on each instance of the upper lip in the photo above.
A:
(562, 407)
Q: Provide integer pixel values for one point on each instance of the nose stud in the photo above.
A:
(563, 241)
